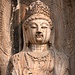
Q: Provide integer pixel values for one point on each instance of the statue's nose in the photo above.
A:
(38, 32)
(39, 29)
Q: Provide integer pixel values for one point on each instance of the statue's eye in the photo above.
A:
(44, 26)
(33, 26)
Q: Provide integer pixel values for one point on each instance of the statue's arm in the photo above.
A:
(11, 68)
(65, 68)
(62, 65)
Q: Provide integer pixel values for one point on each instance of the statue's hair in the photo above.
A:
(37, 7)
(37, 10)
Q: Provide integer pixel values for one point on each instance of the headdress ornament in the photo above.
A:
(37, 10)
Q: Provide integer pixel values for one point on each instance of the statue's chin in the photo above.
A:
(39, 39)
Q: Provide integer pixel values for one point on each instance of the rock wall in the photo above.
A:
(63, 18)
(69, 12)
(5, 42)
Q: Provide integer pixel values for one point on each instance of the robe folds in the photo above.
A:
(45, 63)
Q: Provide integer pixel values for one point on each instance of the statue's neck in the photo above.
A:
(38, 48)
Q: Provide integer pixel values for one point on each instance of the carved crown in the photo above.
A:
(36, 8)
(39, 7)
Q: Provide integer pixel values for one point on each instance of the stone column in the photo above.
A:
(5, 40)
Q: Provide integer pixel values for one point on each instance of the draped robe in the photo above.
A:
(50, 62)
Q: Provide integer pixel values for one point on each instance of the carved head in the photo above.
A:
(37, 23)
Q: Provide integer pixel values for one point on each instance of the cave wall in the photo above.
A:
(5, 41)
(69, 13)
(12, 15)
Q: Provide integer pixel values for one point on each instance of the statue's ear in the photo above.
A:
(51, 41)
(25, 27)
(25, 38)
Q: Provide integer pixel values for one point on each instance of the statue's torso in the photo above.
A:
(38, 63)
(44, 63)
(32, 63)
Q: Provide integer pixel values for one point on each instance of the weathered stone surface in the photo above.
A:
(69, 13)
(63, 18)
(62, 12)
(38, 56)
(5, 42)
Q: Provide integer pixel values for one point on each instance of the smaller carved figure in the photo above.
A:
(38, 57)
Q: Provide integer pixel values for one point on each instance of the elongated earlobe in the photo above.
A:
(26, 39)
(51, 40)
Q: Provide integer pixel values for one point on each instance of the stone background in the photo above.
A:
(5, 41)
(12, 13)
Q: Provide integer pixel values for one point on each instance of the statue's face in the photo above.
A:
(38, 31)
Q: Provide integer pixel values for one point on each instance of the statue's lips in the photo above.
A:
(39, 36)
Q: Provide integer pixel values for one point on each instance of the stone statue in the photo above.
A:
(38, 57)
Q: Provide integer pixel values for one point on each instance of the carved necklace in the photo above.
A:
(37, 60)
(40, 62)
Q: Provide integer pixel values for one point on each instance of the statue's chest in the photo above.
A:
(37, 64)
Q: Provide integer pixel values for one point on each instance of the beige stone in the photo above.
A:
(39, 56)
(5, 41)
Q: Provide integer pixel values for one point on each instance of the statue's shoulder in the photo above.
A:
(18, 56)
(61, 56)
(58, 55)
(61, 63)
(17, 62)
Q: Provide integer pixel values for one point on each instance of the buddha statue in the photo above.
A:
(39, 56)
